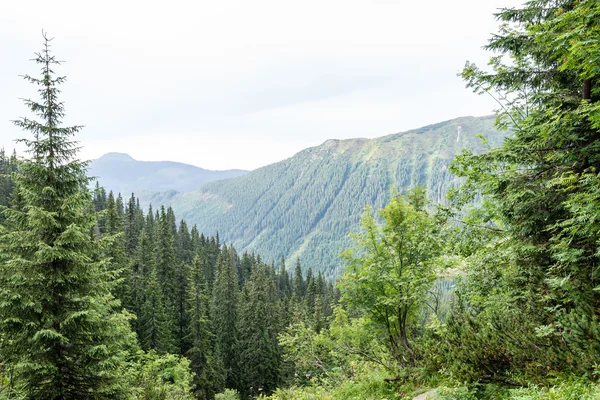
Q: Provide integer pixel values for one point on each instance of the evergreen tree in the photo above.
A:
(181, 294)
(186, 252)
(298, 290)
(166, 257)
(133, 225)
(120, 207)
(141, 269)
(199, 339)
(245, 267)
(260, 356)
(155, 324)
(57, 316)
(541, 186)
(224, 312)
(116, 252)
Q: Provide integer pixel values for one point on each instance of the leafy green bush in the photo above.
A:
(579, 390)
(228, 394)
(370, 386)
(163, 377)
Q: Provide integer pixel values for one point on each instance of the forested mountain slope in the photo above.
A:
(121, 173)
(305, 206)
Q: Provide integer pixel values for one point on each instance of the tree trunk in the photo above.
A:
(587, 89)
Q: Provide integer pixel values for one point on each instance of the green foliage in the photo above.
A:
(8, 166)
(228, 394)
(576, 390)
(533, 287)
(390, 280)
(368, 386)
(334, 354)
(166, 377)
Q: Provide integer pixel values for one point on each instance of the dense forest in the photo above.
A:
(493, 294)
(181, 294)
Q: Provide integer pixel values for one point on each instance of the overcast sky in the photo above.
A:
(240, 84)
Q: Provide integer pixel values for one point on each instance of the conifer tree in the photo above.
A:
(120, 207)
(245, 268)
(133, 225)
(186, 252)
(199, 339)
(224, 313)
(181, 293)
(8, 165)
(298, 290)
(141, 268)
(100, 201)
(311, 292)
(165, 256)
(260, 356)
(542, 184)
(155, 324)
(150, 224)
(116, 251)
(56, 311)
(195, 239)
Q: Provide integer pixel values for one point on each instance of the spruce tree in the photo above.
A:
(133, 225)
(57, 315)
(541, 186)
(185, 245)
(142, 267)
(199, 338)
(224, 312)
(298, 289)
(155, 324)
(259, 319)
(116, 252)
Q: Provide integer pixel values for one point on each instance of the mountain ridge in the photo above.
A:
(305, 206)
(121, 173)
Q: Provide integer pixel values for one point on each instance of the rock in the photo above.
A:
(426, 396)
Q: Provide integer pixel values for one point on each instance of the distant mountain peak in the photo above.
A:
(121, 173)
(116, 157)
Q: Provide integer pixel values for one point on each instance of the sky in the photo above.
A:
(225, 84)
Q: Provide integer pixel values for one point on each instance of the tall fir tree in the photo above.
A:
(142, 266)
(224, 312)
(199, 338)
(65, 340)
(259, 320)
(155, 323)
(133, 225)
(116, 252)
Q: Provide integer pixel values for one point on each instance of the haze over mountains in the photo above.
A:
(121, 173)
(306, 205)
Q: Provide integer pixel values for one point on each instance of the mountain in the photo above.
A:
(121, 173)
(306, 205)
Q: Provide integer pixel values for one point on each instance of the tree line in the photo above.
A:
(196, 297)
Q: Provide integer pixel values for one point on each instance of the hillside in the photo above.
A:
(305, 206)
(121, 173)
